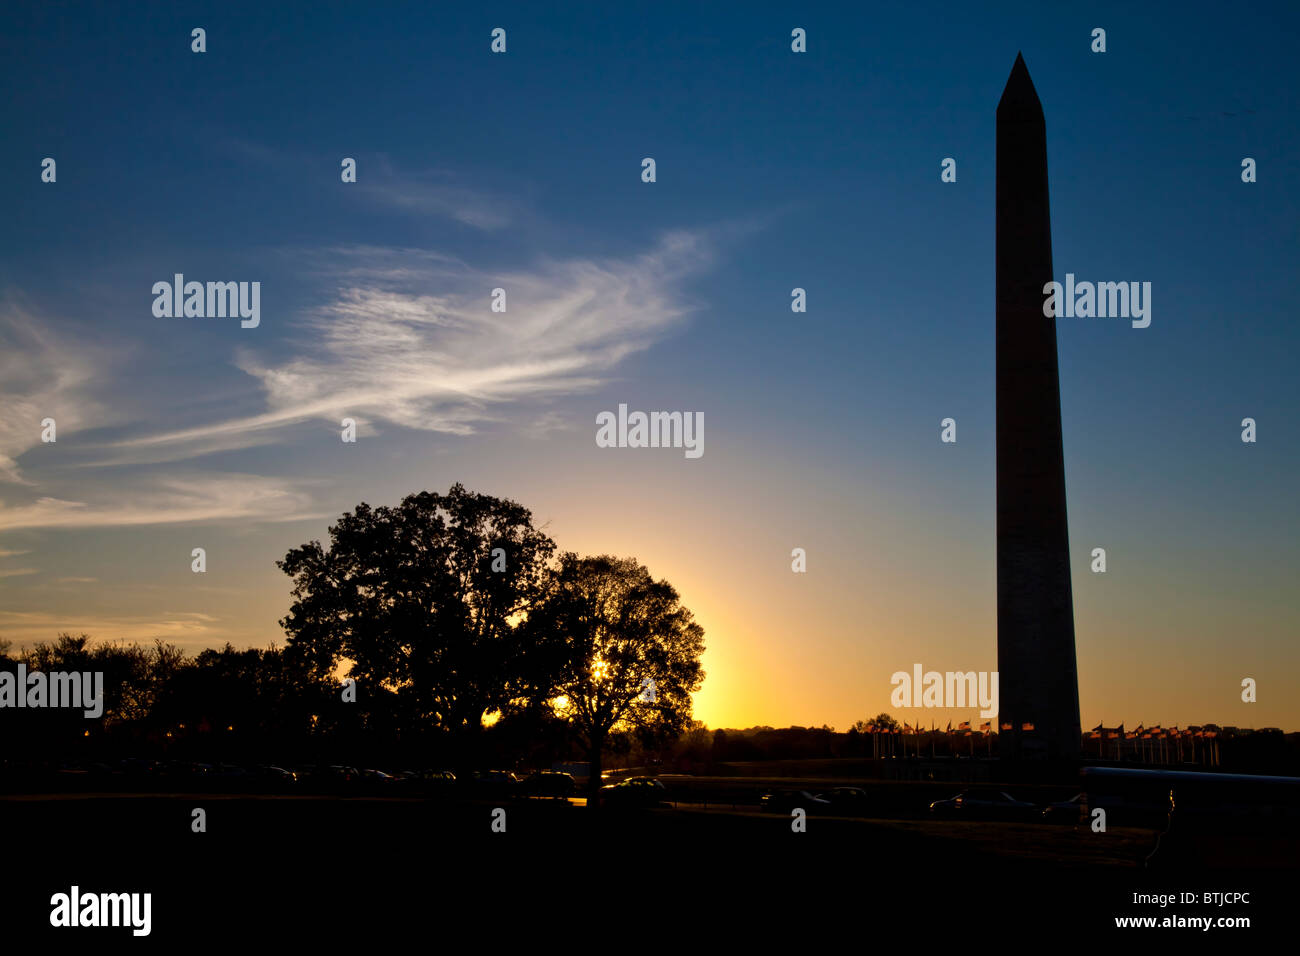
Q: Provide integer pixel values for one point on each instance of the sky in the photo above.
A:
(775, 170)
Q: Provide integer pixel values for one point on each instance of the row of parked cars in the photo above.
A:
(975, 804)
(172, 769)
(989, 804)
(844, 800)
(630, 792)
(634, 791)
(298, 774)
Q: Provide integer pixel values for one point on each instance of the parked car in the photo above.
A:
(634, 792)
(337, 773)
(783, 801)
(549, 783)
(846, 799)
(1069, 812)
(985, 805)
(276, 776)
(495, 776)
(138, 766)
(496, 783)
(1145, 810)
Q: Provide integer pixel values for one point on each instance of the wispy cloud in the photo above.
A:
(433, 193)
(442, 193)
(42, 375)
(168, 500)
(408, 338)
(16, 572)
(545, 425)
(25, 628)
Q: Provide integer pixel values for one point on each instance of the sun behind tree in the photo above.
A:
(631, 652)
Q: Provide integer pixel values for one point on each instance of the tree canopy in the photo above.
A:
(632, 651)
(425, 600)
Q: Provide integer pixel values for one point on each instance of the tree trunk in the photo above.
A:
(594, 765)
(466, 753)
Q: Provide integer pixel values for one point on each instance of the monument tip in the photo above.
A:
(1019, 98)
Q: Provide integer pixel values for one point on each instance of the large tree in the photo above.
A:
(631, 652)
(424, 600)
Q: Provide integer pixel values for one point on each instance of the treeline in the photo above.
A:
(708, 751)
(707, 747)
(262, 706)
(444, 631)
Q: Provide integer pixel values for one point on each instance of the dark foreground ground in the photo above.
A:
(288, 869)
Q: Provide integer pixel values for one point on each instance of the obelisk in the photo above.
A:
(1037, 676)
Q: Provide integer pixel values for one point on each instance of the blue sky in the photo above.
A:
(775, 170)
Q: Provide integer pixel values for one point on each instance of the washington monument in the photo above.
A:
(1036, 660)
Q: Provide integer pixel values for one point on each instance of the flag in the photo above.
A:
(1098, 729)
(949, 730)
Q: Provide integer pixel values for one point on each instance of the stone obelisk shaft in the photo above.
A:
(1038, 678)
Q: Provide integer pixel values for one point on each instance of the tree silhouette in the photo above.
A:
(250, 701)
(133, 674)
(882, 721)
(620, 629)
(419, 601)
